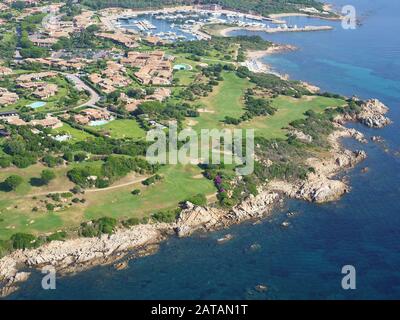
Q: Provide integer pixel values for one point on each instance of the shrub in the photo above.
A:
(198, 199)
(131, 222)
(107, 225)
(50, 207)
(47, 175)
(152, 180)
(58, 236)
(167, 216)
(136, 192)
(23, 241)
(13, 182)
(5, 162)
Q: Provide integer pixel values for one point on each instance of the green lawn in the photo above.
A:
(122, 128)
(289, 109)
(63, 91)
(179, 183)
(77, 135)
(225, 100)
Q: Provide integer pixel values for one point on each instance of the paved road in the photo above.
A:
(80, 85)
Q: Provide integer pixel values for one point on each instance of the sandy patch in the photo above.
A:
(202, 110)
(191, 122)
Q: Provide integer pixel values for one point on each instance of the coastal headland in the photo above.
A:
(76, 255)
(114, 205)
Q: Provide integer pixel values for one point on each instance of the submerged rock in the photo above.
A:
(261, 288)
(285, 224)
(225, 238)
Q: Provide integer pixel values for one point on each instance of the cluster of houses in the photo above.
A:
(3, 7)
(7, 97)
(111, 78)
(4, 71)
(91, 114)
(154, 67)
(12, 117)
(160, 94)
(129, 40)
(54, 28)
(63, 64)
(40, 89)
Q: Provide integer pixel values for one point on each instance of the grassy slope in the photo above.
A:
(77, 135)
(227, 100)
(123, 128)
(289, 109)
(180, 182)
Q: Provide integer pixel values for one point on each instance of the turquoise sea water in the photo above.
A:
(305, 260)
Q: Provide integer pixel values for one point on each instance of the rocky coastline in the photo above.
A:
(75, 255)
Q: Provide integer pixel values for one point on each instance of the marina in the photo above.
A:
(187, 24)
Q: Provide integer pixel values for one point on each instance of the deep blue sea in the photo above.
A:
(305, 260)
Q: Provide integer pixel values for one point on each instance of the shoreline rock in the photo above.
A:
(75, 255)
(373, 115)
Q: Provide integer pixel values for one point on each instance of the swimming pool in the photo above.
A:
(37, 104)
(96, 123)
(182, 67)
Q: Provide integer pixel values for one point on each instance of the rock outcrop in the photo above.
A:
(76, 254)
(194, 218)
(320, 187)
(80, 254)
(373, 114)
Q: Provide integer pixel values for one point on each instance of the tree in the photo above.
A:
(23, 241)
(46, 176)
(13, 181)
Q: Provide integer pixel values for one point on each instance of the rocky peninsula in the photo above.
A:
(321, 186)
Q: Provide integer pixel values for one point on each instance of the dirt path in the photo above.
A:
(125, 184)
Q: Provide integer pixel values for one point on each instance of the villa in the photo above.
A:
(74, 64)
(7, 97)
(3, 7)
(56, 28)
(155, 41)
(42, 90)
(16, 121)
(84, 20)
(48, 122)
(43, 42)
(155, 67)
(4, 71)
(111, 78)
(36, 76)
(128, 40)
(92, 114)
(160, 94)
(46, 90)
